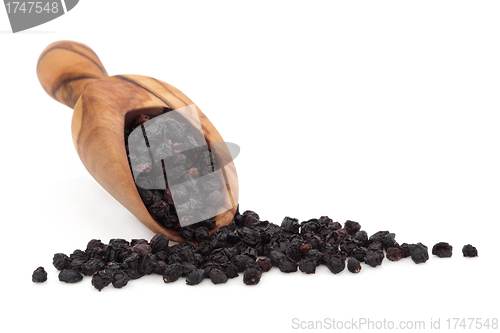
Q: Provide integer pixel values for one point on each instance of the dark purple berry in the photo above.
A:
(353, 265)
(290, 224)
(172, 272)
(394, 254)
(352, 227)
(287, 265)
(307, 266)
(120, 279)
(101, 279)
(70, 276)
(334, 263)
(374, 258)
(469, 251)
(419, 253)
(195, 277)
(264, 264)
(217, 276)
(61, 261)
(442, 250)
(252, 276)
(39, 275)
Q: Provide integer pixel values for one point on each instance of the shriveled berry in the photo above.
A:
(249, 236)
(374, 258)
(217, 276)
(375, 246)
(264, 264)
(248, 218)
(378, 236)
(334, 263)
(187, 267)
(314, 255)
(469, 251)
(276, 257)
(287, 265)
(201, 234)
(252, 276)
(142, 249)
(70, 276)
(39, 275)
(101, 279)
(120, 279)
(405, 247)
(195, 277)
(352, 227)
(60, 261)
(187, 232)
(419, 253)
(353, 265)
(307, 266)
(230, 270)
(361, 236)
(359, 253)
(304, 248)
(92, 244)
(442, 250)
(290, 224)
(92, 266)
(159, 242)
(394, 254)
(172, 273)
(389, 240)
(242, 262)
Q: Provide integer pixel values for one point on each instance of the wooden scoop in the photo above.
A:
(72, 74)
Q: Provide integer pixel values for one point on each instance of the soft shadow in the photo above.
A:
(5, 32)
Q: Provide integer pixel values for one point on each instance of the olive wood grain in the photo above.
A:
(71, 73)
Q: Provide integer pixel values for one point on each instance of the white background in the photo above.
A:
(383, 112)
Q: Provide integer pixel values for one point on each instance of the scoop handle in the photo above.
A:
(66, 68)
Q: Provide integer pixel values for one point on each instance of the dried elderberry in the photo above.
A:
(217, 276)
(405, 247)
(389, 240)
(374, 258)
(442, 250)
(307, 266)
(352, 227)
(287, 265)
(252, 276)
(39, 275)
(159, 243)
(264, 264)
(60, 261)
(469, 251)
(70, 276)
(101, 279)
(290, 224)
(334, 263)
(120, 279)
(353, 265)
(378, 236)
(394, 254)
(201, 234)
(419, 253)
(172, 272)
(195, 277)
(92, 266)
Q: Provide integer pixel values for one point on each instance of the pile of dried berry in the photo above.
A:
(247, 245)
(183, 160)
